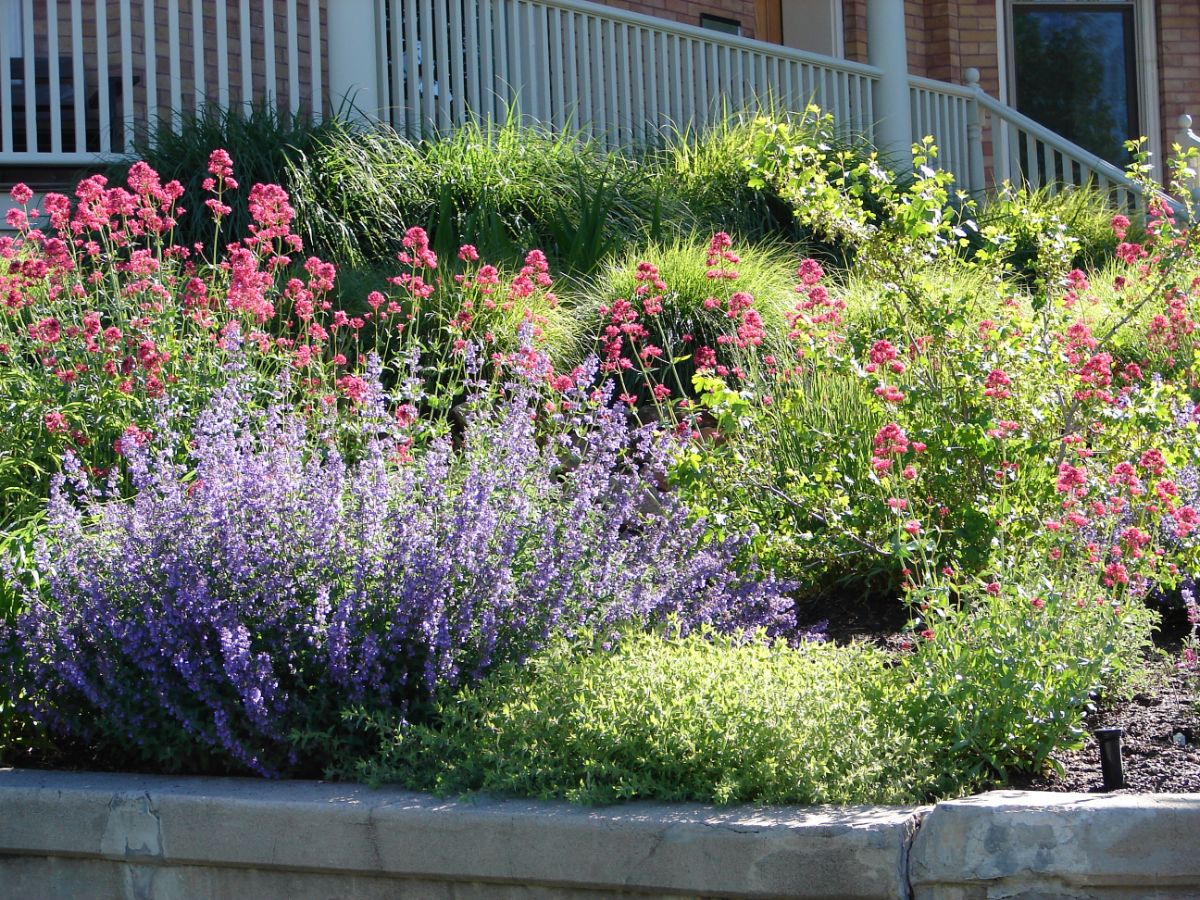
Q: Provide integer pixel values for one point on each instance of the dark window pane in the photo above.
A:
(1075, 73)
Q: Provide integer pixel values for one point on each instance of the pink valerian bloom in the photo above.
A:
(809, 272)
(218, 209)
(248, 285)
(650, 353)
(751, 331)
(719, 253)
(1098, 370)
(405, 414)
(818, 312)
(993, 588)
(996, 384)
(891, 440)
(220, 165)
(738, 301)
(353, 387)
(1186, 519)
(913, 527)
(536, 268)
(1124, 474)
(58, 208)
(1002, 429)
(21, 193)
(1120, 226)
(271, 212)
(1130, 253)
(1115, 573)
(705, 357)
(468, 253)
(889, 394)
(884, 353)
(1071, 480)
(130, 438)
(1037, 603)
(1166, 490)
(55, 422)
(45, 331)
(416, 250)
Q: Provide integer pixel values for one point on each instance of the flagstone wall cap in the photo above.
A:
(352, 829)
(1081, 844)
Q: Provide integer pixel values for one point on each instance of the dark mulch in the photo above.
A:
(1160, 747)
(1160, 720)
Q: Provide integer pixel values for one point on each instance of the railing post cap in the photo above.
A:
(1185, 121)
(971, 76)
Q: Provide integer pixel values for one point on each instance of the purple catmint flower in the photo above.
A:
(244, 600)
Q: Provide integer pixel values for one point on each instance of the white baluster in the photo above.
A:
(975, 179)
(1187, 138)
(353, 70)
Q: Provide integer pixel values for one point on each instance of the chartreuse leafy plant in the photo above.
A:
(701, 717)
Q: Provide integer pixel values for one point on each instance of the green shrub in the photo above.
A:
(990, 685)
(699, 718)
(354, 192)
(709, 170)
(1037, 226)
(1000, 680)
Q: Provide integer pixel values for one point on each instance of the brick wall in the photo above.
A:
(1178, 63)
(689, 11)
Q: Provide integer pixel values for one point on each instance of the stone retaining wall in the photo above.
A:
(66, 835)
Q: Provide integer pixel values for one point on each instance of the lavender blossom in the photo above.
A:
(256, 593)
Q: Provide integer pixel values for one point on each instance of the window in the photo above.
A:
(1075, 71)
(720, 23)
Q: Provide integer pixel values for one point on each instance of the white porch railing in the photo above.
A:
(966, 123)
(949, 114)
(1026, 152)
(620, 76)
(79, 76)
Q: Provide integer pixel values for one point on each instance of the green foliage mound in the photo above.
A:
(698, 718)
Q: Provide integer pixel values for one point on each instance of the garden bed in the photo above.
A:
(476, 527)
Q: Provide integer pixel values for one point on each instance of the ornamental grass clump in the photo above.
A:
(252, 590)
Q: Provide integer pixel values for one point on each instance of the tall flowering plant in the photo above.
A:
(102, 315)
(245, 599)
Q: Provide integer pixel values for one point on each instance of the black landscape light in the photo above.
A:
(1111, 768)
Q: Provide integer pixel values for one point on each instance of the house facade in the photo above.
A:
(1023, 90)
(1096, 71)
